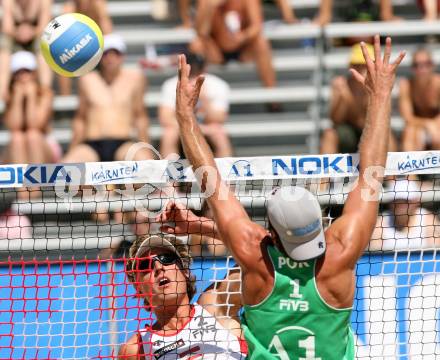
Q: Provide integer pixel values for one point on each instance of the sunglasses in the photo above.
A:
(147, 264)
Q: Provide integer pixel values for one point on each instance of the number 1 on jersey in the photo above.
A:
(295, 289)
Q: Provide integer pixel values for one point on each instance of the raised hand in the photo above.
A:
(187, 92)
(380, 76)
(183, 220)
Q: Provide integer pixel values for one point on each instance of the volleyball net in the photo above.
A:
(66, 230)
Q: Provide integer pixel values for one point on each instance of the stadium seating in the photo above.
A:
(293, 58)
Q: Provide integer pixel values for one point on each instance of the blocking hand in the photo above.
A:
(380, 76)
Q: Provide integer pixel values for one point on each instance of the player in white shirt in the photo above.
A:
(207, 329)
(212, 111)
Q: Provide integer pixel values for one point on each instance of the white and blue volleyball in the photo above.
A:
(72, 44)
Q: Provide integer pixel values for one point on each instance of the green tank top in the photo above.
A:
(294, 322)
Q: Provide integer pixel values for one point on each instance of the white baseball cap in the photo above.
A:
(23, 60)
(296, 216)
(114, 42)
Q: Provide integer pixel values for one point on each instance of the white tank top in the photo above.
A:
(203, 337)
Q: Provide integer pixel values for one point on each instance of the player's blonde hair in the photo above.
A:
(182, 250)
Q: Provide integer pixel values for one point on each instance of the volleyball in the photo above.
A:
(72, 44)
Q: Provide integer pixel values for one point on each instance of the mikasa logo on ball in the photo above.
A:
(69, 54)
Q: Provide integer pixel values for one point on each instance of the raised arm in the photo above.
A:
(240, 235)
(355, 226)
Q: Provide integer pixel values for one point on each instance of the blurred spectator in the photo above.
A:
(12, 225)
(111, 105)
(406, 224)
(233, 30)
(212, 111)
(419, 101)
(163, 9)
(27, 114)
(430, 9)
(185, 13)
(358, 10)
(22, 24)
(287, 12)
(348, 106)
(97, 10)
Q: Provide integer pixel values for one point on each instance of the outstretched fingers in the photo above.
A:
(358, 77)
(399, 59)
(167, 229)
(167, 213)
(197, 88)
(179, 67)
(377, 50)
(199, 83)
(368, 61)
(387, 54)
(184, 69)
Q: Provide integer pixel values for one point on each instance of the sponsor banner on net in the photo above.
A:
(41, 175)
(279, 167)
(124, 172)
(232, 169)
(416, 162)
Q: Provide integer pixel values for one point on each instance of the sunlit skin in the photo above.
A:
(346, 238)
(165, 288)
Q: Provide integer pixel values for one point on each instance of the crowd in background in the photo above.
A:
(111, 114)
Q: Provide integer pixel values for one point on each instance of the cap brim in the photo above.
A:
(155, 242)
(306, 250)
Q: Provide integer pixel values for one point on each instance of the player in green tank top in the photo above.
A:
(298, 280)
